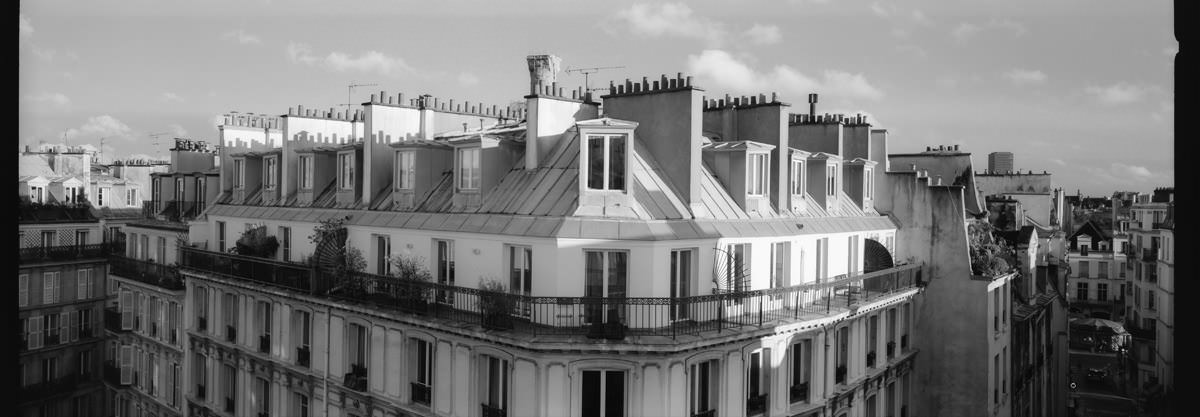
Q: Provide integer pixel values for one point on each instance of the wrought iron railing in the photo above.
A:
(756, 404)
(112, 320)
(489, 411)
(66, 252)
(799, 392)
(356, 379)
(40, 390)
(161, 275)
(302, 356)
(421, 393)
(597, 317)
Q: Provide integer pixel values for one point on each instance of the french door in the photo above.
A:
(605, 282)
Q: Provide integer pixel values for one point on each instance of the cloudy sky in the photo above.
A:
(1080, 88)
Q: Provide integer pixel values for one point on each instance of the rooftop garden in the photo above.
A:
(991, 256)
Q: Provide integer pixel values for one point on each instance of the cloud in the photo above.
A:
(54, 99)
(242, 37)
(1137, 172)
(965, 31)
(881, 10)
(26, 30)
(177, 130)
(764, 34)
(1057, 161)
(1165, 109)
(1119, 93)
(1022, 76)
(467, 79)
(724, 71)
(102, 127)
(169, 96)
(370, 61)
(670, 20)
(920, 18)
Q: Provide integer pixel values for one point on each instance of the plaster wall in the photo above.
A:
(769, 124)
(670, 125)
(548, 120)
(822, 137)
(384, 125)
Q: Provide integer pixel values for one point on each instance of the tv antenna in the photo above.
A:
(350, 92)
(157, 151)
(586, 71)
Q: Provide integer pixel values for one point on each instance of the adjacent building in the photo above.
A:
(1000, 162)
(1096, 287)
(1151, 283)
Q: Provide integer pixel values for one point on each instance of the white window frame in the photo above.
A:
(23, 291)
(797, 177)
(220, 236)
(346, 171)
(798, 351)
(406, 170)
(696, 386)
(607, 171)
(305, 166)
(83, 284)
(239, 173)
(468, 162)
(869, 181)
(100, 195)
(494, 370)
(831, 180)
(285, 243)
(131, 197)
(424, 376)
(270, 177)
(50, 287)
(758, 178)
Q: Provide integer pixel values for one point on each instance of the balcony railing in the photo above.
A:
(421, 393)
(112, 374)
(756, 404)
(356, 379)
(1149, 254)
(161, 275)
(265, 271)
(264, 343)
(302, 356)
(66, 252)
(489, 411)
(112, 320)
(61, 385)
(799, 392)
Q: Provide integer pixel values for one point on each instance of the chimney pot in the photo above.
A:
(543, 69)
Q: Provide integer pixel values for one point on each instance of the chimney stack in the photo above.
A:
(543, 70)
(812, 105)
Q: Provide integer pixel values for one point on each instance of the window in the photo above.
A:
(56, 328)
(797, 178)
(81, 237)
(801, 370)
(49, 369)
(1150, 301)
(285, 243)
(220, 236)
(229, 382)
(1082, 291)
(520, 274)
(23, 290)
(38, 194)
(144, 247)
(173, 322)
(305, 167)
(605, 275)
(704, 387)
(737, 267)
(262, 396)
(758, 381)
(82, 406)
(681, 281)
(200, 374)
(757, 180)
(1102, 291)
(239, 176)
(444, 267)
(822, 259)
(152, 312)
(301, 405)
(843, 352)
(872, 340)
(161, 255)
(152, 374)
(891, 332)
(495, 384)
(173, 399)
(406, 169)
(35, 332)
(50, 287)
(1004, 372)
(231, 316)
(603, 394)
(1084, 269)
(48, 237)
(271, 167)
(383, 251)
(996, 310)
(869, 179)
(264, 318)
(854, 266)
(346, 171)
(422, 377)
(606, 162)
(201, 308)
(468, 169)
(356, 339)
(100, 193)
(780, 265)
(303, 335)
(1103, 270)
(126, 304)
(831, 180)
(180, 191)
(996, 378)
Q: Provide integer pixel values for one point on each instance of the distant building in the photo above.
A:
(1151, 285)
(1000, 162)
(1096, 287)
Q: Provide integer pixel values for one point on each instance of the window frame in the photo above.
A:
(606, 171)
(758, 176)
(405, 169)
(270, 176)
(239, 173)
(304, 165)
(797, 177)
(467, 164)
(345, 163)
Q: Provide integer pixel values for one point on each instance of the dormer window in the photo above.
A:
(869, 179)
(831, 180)
(100, 194)
(131, 197)
(757, 179)
(179, 191)
(797, 178)
(468, 169)
(37, 194)
(606, 162)
(346, 171)
(406, 162)
(239, 173)
(305, 171)
(271, 176)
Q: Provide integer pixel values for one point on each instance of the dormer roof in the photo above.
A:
(741, 145)
(607, 122)
(419, 143)
(825, 156)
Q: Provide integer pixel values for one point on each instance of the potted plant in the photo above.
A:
(256, 242)
(412, 286)
(495, 304)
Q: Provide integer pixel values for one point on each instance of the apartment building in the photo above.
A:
(61, 280)
(1152, 285)
(660, 253)
(1096, 287)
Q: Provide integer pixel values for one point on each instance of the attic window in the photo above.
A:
(131, 197)
(831, 180)
(37, 193)
(346, 171)
(756, 174)
(239, 174)
(870, 191)
(797, 178)
(468, 169)
(272, 176)
(606, 162)
(405, 169)
(306, 173)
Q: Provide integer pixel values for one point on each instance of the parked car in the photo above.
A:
(1096, 374)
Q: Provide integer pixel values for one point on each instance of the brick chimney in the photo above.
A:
(543, 70)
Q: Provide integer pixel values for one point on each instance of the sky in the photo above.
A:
(1083, 89)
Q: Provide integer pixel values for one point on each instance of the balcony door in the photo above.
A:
(683, 282)
(445, 268)
(520, 280)
(603, 394)
(605, 277)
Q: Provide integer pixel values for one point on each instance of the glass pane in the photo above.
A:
(596, 162)
(590, 402)
(614, 393)
(616, 163)
(594, 284)
(616, 274)
(755, 370)
(528, 287)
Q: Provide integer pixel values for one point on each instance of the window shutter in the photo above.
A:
(126, 310)
(64, 327)
(47, 288)
(24, 290)
(81, 284)
(35, 332)
(126, 364)
(74, 325)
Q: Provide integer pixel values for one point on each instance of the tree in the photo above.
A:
(989, 256)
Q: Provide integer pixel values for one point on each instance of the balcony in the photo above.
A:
(799, 392)
(285, 275)
(839, 374)
(41, 390)
(230, 333)
(356, 379)
(1150, 255)
(489, 411)
(112, 374)
(612, 318)
(421, 393)
(891, 349)
(302, 356)
(66, 253)
(160, 275)
(264, 343)
(112, 321)
(871, 359)
(756, 404)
